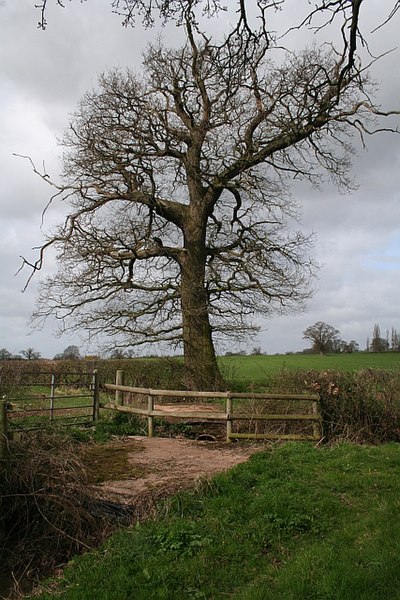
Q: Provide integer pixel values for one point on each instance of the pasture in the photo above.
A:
(256, 369)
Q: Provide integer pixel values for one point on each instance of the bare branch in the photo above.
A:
(180, 220)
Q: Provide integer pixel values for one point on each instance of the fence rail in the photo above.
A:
(218, 414)
(227, 415)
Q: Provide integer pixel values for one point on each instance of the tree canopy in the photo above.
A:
(69, 353)
(30, 354)
(180, 224)
(324, 337)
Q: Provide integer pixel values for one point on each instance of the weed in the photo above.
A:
(179, 540)
(117, 424)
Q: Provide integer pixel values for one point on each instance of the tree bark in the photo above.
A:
(202, 372)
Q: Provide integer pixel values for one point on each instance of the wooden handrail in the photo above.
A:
(228, 415)
(198, 394)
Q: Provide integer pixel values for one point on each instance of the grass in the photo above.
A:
(253, 369)
(294, 523)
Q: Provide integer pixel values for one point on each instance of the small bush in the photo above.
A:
(118, 424)
(107, 426)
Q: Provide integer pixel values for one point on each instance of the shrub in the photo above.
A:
(362, 406)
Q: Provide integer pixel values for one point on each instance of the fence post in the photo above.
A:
(96, 395)
(316, 424)
(119, 380)
(228, 418)
(150, 422)
(52, 394)
(3, 430)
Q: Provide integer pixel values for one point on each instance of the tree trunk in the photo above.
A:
(201, 368)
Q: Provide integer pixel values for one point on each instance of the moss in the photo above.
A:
(108, 462)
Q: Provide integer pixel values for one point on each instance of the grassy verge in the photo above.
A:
(293, 523)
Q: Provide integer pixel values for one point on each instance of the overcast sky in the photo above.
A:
(43, 74)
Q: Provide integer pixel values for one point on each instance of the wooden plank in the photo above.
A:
(96, 395)
(229, 408)
(127, 388)
(266, 417)
(317, 426)
(166, 393)
(198, 414)
(125, 409)
(3, 431)
(150, 421)
(250, 396)
(193, 414)
(119, 382)
(195, 394)
(273, 436)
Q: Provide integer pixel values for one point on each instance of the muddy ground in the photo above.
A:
(165, 465)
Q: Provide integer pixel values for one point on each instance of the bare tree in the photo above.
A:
(70, 353)
(149, 10)
(5, 354)
(324, 337)
(323, 14)
(177, 183)
(395, 340)
(378, 343)
(30, 354)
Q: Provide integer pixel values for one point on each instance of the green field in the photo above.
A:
(256, 368)
(294, 523)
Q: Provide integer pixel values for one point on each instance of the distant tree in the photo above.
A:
(5, 354)
(256, 351)
(354, 346)
(324, 337)
(395, 340)
(118, 353)
(70, 353)
(235, 353)
(378, 343)
(30, 354)
(349, 347)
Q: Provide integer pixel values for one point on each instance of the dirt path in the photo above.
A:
(170, 464)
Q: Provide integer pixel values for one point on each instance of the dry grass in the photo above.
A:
(46, 513)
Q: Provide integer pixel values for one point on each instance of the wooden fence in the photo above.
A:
(226, 414)
(229, 412)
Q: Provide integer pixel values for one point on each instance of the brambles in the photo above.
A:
(45, 507)
(361, 407)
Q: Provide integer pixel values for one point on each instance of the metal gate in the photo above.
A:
(50, 399)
